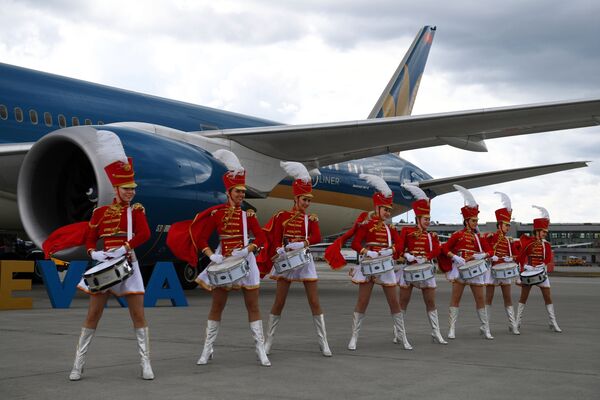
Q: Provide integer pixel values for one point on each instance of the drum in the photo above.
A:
(419, 272)
(376, 266)
(505, 270)
(291, 260)
(473, 269)
(231, 270)
(534, 276)
(107, 274)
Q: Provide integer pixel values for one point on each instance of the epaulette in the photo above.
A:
(138, 206)
(313, 217)
(250, 213)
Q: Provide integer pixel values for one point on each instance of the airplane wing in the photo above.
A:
(328, 143)
(444, 185)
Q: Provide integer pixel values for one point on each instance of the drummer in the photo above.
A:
(464, 246)
(536, 252)
(292, 231)
(122, 227)
(505, 250)
(232, 225)
(419, 247)
(374, 238)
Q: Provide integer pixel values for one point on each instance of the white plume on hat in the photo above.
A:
(296, 170)
(378, 183)
(416, 191)
(230, 160)
(505, 200)
(544, 212)
(469, 199)
(109, 147)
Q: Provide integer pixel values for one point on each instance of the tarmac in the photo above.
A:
(37, 347)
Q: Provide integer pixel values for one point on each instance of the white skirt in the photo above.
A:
(250, 281)
(427, 283)
(481, 280)
(502, 281)
(386, 279)
(307, 273)
(132, 285)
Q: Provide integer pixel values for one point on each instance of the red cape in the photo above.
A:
(333, 253)
(71, 235)
(180, 238)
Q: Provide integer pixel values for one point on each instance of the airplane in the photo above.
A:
(51, 176)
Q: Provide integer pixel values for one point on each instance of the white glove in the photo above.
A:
(421, 260)
(372, 254)
(529, 267)
(240, 252)
(295, 245)
(216, 258)
(495, 258)
(507, 259)
(99, 255)
(118, 252)
(479, 256)
(386, 252)
(409, 257)
(280, 251)
(458, 260)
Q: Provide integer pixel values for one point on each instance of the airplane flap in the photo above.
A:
(444, 185)
(328, 143)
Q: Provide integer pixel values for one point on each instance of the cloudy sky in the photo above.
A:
(328, 60)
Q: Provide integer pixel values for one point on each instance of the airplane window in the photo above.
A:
(87, 121)
(100, 123)
(3, 111)
(33, 117)
(62, 121)
(48, 118)
(18, 114)
(74, 121)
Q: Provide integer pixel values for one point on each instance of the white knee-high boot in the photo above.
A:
(212, 329)
(484, 329)
(436, 335)
(520, 311)
(357, 320)
(319, 321)
(143, 342)
(452, 317)
(512, 327)
(259, 341)
(553, 325)
(85, 338)
(400, 330)
(271, 328)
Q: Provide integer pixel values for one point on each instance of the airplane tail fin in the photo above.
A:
(399, 95)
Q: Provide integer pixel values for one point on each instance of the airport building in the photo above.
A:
(573, 244)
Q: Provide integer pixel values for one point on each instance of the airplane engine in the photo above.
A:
(62, 180)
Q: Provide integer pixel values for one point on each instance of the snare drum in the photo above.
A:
(376, 266)
(473, 269)
(231, 270)
(107, 274)
(505, 270)
(534, 276)
(419, 272)
(291, 260)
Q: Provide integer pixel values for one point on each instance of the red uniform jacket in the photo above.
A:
(373, 235)
(535, 252)
(463, 243)
(110, 224)
(287, 227)
(502, 246)
(416, 242)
